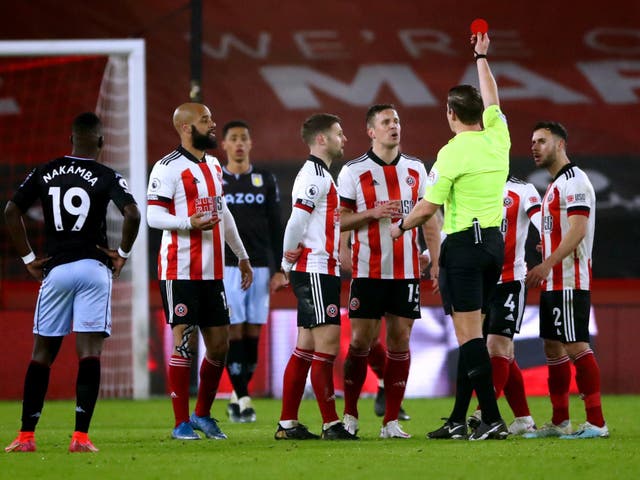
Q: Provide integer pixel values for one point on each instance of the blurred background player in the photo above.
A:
(311, 245)
(375, 189)
(252, 196)
(76, 273)
(185, 201)
(506, 309)
(568, 227)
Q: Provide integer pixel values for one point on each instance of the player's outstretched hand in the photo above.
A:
(35, 268)
(246, 272)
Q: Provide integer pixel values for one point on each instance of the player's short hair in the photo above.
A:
(315, 124)
(375, 109)
(234, 124)
(555, 128)
(87, 123)
(466, 103)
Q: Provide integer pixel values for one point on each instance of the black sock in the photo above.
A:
(36, 383)
(87, 389)
(235, 360)
(479, 371)
(250, 357)
(464, 391)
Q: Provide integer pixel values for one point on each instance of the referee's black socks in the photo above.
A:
(478, 364)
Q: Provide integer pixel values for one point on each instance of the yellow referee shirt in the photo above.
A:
(469, 174)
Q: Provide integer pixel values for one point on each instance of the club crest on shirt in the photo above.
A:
(332, 310)
(410, 181)
(257, 180)
(507, 202)
(550, 197)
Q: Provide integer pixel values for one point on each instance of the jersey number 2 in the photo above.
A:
(71, 196)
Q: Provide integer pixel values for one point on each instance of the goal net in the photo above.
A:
(43, 86)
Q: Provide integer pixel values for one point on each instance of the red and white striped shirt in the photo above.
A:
(570, 193)
(314, 192)
(521, 206)
(185, 185)
(365, 183)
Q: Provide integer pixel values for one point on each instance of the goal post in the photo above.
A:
(121, 104)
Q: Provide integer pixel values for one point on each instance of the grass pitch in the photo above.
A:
(134, 442)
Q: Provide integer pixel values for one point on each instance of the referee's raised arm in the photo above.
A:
(488, 87)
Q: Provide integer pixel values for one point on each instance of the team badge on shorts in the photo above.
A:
(180, 310)
(354, 304)
(332, 310)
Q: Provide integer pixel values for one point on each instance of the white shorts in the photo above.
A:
(251, 305)
(76, 296)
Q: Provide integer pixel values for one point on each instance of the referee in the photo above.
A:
(468, 178)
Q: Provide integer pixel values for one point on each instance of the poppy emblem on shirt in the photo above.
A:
(332, 310)
(181, 310)
(508, 201)
(410, 181)
(257, 180)
(354, 304)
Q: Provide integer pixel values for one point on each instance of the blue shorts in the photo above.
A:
(251, 305)
(74, 296)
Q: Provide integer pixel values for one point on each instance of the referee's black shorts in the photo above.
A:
(469, 271)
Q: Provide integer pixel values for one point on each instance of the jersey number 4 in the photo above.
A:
(75, 202)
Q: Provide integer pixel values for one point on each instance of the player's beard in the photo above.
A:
(202, 141)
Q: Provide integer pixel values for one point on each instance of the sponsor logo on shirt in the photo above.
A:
(578, 197)
(208, 205)
(241, 198)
